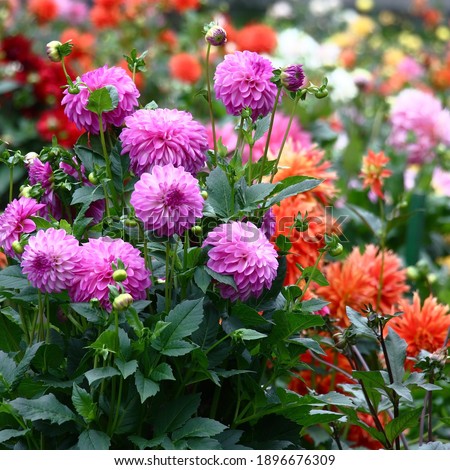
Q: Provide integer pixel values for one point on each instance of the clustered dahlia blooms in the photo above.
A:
(241, 250)
(162, 136)
(419, 124)
(50, 259)
(15, 221)
(95, 271)
(75, 105)
(243, 80)
(167, 200)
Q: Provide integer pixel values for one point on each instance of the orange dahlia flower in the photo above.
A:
(3, 261)
(423, 327)
(374, 172)
(44, 10)
(355, 282)
(259, 38)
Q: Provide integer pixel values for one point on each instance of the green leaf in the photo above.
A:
(41, 224)
(12, 278)
(198, 427)
(7, 371)
(83, 403)
(24, 364)
(46, 407)
(91, 439)
(147, 443)
(283, 243)
(183, 320)
(289, 324)
(228, 280)
(120, 165)
(145, 387)
(103, 100)
(92, 315)
(162, 372)
(359, 324)
(87, 194)
(248, 316)
(219, 192)
(257, 193)
(12, 315)
(406, 420)
(396, 350)
(126, 368)
(7, 434)
(335, 398)
(202, 278)
(261, 127)
(173, 415)
(308, 343)
(107, 340)
(246, 334)
(318, 417)
(315, 275)
(293, 189)
(313, 305)
(100, 373)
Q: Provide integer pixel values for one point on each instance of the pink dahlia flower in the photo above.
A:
(75, 105)
(96, 270)
(16, 220)
(167, 200)
(162, 136)
(241, 250)
(419, 124)
(243, 80)
(50, 259)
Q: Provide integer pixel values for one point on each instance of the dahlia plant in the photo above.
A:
(166, 292)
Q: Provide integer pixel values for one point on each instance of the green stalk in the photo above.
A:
(108, 167)
(383, 249)
(167, 285)
(250, 166)
(47, 309)
(211, 114)
(275, 168)
(269, 134)
(308, 282)
(11, 182)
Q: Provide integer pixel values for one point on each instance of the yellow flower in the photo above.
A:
(362, 26)
(392, 57)
(443, 33)
(410, 41)
(343, 39)
(445, 262)
(364, 5)
(386, 18)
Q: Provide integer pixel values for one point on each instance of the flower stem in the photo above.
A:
(275, 168)
(108, 166)
(308, 282)
(269, 134)
(250, 166)
(11, 182)
(167, 284)
(211, 114)
(383, 249)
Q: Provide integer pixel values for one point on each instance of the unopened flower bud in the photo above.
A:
(336, 250)
(204, 195)
(53, 51)
(340, 341)
(412, 273)
(92, 178)
(17, 247)
(216, 35)
(119, 275)
(73, 90)
(25, 191)
(439, 356)
(321, 93)
(197, 230)
(122, 302)
(431, 278)
(130, 223)
(292, 77)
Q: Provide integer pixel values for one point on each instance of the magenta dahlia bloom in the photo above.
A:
(96, 270)
(75, 105)
(167, 200)
(50, 260)
(16, 220)
(419, 124)
(241, 250)
(243, 80)
(162, 136)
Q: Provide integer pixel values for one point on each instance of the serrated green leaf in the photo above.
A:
(162, 372)
(173, 415)
(41, 223)
(87, 195)
(146, 387)
(359, 324)
(92, 315)
(309, 343)
(7, 371)
(7, 434)
(313, 305)
(315, 275)
(12, 315)
(294, 189)
(83, 403)
(257, 193)
(223, 279)
(126, 368)
(12, 278)
(198, 427)
(202, 278)
(219, 192)
(103, 100)
(24, 364)
(91, 439)
(106, 340)
(46, 407)
(406, 420)
(396, 350)
(247, 334)
(100, 373)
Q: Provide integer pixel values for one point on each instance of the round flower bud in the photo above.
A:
(73, 90)
(216, 35)
(130, 223)
(336, 250)
(119, 275)
(53, 51)
(17, 247)
(25, 191)
(412, 273)
(30, 157)
(292, 77)
(321, 94)
(92, 178)
(204, 195)
(197, 230)
(122, 302)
